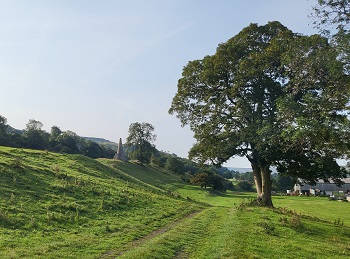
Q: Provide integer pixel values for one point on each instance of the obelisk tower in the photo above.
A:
(119, 154)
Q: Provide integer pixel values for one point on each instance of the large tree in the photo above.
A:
(139, 142)
(271, 95)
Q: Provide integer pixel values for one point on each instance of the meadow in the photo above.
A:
(70, 206)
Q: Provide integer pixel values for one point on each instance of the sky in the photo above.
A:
(95, 67)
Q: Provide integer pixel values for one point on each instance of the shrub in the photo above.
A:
(205, 180)
(245, 186)
(174, 164)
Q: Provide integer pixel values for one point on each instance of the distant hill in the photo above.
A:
(244, 170)
(104, 142)
(238, 169)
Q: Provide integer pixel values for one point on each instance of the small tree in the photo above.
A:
(139, 142)
(67, 142)
(201, 179)
(92, 149)
(35, 137)
(34, 125)
(55, 132)
(245, 186)
(211, 180)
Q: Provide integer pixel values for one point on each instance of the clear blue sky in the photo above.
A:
(95, 67)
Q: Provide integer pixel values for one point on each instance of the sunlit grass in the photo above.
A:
(320, 207)
(71, 206)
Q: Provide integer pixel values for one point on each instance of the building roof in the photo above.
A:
(325, 186)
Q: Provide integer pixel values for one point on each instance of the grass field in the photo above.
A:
(69, 206)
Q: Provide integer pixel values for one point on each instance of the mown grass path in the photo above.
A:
(179, 240)
(250, 232)
(70, 206)
(156, 233)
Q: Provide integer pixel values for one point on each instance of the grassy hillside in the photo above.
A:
(71, 206)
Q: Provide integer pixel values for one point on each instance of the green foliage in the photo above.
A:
(3, 124)
(211, 180)
(174, 164)
(247, 176)
(34, 125)
(331, 12)
(139, 142)
(92, 149)
(245, 186)
(273, 96)
(329, 15)
(34, 137)
(201, 179)
(72, 200)
(3, 131)
(282, 183)
(227, 175)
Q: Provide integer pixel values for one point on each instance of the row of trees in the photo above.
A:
(280, 182)
(34, 137)
(243, 181)
(139, 146)
(276, 97)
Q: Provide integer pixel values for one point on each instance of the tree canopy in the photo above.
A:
(139, 142)
(271, 95)
(332, 18)
(59, 141)
(328, 13)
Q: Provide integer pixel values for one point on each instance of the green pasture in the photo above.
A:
(70, 206)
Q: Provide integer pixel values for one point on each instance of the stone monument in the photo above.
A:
(119, 154)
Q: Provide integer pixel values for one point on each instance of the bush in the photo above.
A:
(245, 186)
(229, 186)
(174, 164)
(205, 180)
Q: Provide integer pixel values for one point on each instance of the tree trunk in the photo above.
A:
(257, 178)
(262, 179)
(264, 198)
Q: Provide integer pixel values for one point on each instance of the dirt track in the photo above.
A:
(153, 234)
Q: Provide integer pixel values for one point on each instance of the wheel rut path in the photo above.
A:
(137, 242)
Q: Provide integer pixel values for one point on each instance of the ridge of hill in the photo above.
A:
(101, 141)
(239, 169)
